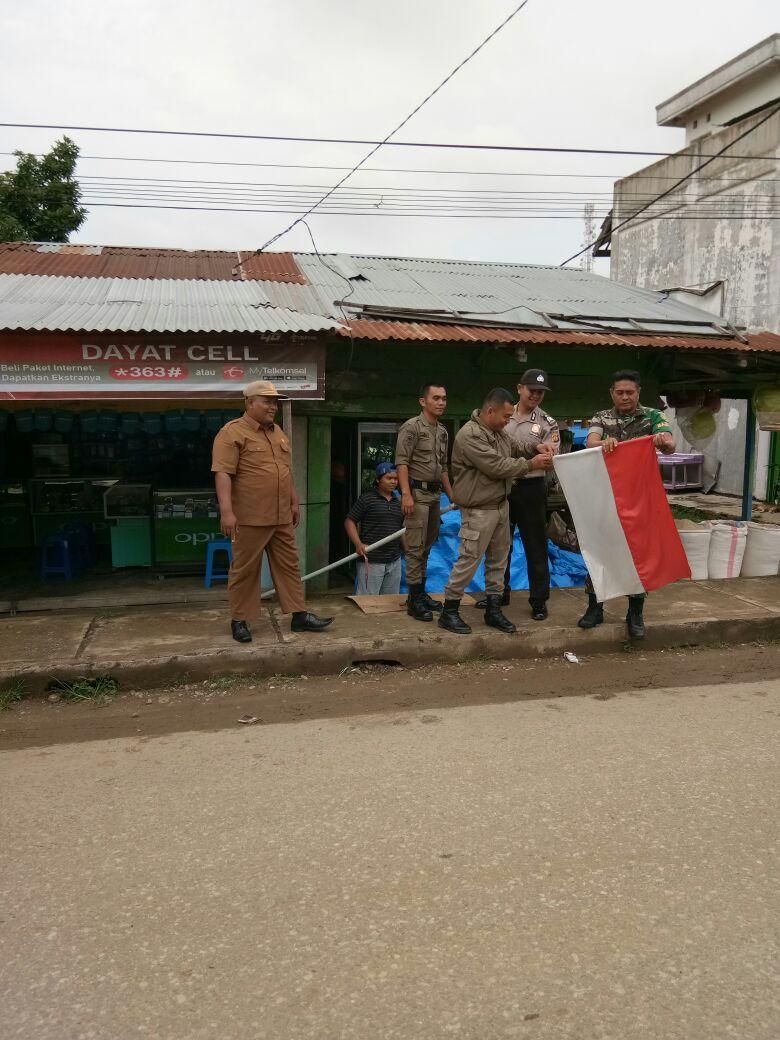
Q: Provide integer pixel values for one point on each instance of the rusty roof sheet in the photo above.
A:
(447, 333)
(82, 261)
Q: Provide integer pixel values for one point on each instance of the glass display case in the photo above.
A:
(56, 502)
(183, 523)
(15, 522)
(127, 500)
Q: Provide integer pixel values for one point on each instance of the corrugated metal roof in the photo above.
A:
(33, 302)
(506, 293)
(446, 333)
(388, 297)
(81, 261)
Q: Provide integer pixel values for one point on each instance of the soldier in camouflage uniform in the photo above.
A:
(625, 421)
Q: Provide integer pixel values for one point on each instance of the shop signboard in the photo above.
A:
(64, 366)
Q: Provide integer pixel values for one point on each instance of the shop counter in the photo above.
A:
(183, 523)
(55, 502)
(128, 509)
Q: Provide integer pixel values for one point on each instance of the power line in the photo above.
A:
(681, 181)
(458, 145)
(400, 126)
(404, 169)
(574, 215)
(218, 185)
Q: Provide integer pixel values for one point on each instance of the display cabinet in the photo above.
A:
(183, 523)
(15, 521)
(54, 503)
(128, 508)
(127, 500)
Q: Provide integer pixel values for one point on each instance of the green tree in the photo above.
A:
(39, 200)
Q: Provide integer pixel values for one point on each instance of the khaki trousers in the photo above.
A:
(482, 532)
(244, 576)
(421, 533)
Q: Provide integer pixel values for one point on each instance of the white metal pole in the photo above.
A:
(353, 556)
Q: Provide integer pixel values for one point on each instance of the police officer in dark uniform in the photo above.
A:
(530, 426)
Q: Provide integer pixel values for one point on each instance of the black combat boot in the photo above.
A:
(506, 598)
(634, 619)
(494, 616)
(415, 605)
(451, 620)
(426, 600)
(538, 610)
(594, 615)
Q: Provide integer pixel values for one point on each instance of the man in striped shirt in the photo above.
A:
(375, 515)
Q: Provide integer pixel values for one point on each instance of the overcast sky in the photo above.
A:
(562, 73)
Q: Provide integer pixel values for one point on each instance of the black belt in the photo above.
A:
(426, 485)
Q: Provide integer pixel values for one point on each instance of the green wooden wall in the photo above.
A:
(381, 381)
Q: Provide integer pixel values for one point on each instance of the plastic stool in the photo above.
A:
(56, 559)
(81, 537)
(218, 545)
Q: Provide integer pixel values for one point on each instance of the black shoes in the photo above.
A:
(240, 631)
(303, 621)
(494, 616)
(594, 615)
(416, 605)
(451, 620)
(539, 611)
(634, 619)
(431, 604)
(481, 604)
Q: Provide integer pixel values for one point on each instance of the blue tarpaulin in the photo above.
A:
(567, 569)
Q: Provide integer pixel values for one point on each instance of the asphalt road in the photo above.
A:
(575, 868)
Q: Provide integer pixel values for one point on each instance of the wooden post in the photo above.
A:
(287, 421)
(748, 474)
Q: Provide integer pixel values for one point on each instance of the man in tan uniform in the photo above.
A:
(421, 463)
(485, 462)
(531, 426)
(259, 512)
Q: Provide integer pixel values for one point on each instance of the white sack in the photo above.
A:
(762, 552)
(727, 548)
(696, 542)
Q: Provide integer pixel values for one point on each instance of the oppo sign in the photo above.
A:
(197, 537)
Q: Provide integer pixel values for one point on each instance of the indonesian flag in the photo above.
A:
(623, 522)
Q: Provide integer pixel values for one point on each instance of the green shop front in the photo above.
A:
(112, 435)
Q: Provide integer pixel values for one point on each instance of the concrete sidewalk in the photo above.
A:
(148, 647)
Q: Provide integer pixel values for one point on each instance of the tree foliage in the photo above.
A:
(39, 200)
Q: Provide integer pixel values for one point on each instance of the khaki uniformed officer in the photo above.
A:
(259, 512)
(625, 421)
(485, 462)
(531, 426)
(421, 462)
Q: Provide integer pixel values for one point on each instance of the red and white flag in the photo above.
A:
(624, 525)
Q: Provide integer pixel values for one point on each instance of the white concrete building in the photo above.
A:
(716, 239)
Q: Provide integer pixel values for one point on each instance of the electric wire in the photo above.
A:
(375, 148)
(457, 145)
(400, 169)
(772, 112)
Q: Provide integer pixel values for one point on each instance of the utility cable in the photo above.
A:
(400, 126)
(772, 112)
(460, 145)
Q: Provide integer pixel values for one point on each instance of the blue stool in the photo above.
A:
(218, 545)
(81, 538)
(56, 558)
